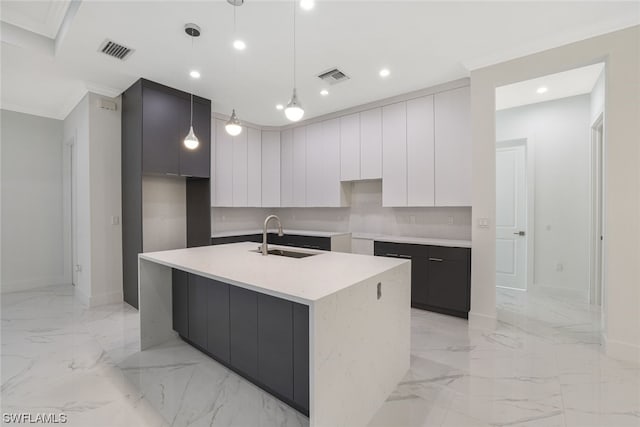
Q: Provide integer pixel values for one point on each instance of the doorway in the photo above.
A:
(597, 211)
(511, 214)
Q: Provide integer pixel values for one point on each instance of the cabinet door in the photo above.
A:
(299, 166)
(223, 173)
(329, 177)
(394, 155)
(163, 129)
(270, 169)
(240, 183)
(350, 147)
(315, 164)
(196, 162)
(301, 355)
(198, 310)
(180, 301)
(275, 344)
(420, 152)
(286, 168)
(449, 278)
(371, 144)
(453, 148)
(218, 319)
(419, 280)
(243, 330)
(254, 167)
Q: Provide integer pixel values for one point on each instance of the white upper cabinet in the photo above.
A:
(254, 167)
(315, 164)
(420, 152)
(350, 147)
(371, 144)
(223, 173)
(453, 148)
(328, 174)
(270, 168)
(286, 168)
(240, 178)
(394, 154)
(299, 166)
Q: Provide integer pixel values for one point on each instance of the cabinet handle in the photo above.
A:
(394, 255)
(405, 256)
(436, 259)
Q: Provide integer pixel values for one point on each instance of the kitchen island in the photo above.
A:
(327, 333)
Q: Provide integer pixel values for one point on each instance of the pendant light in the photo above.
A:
(233, 126)
(294, 110)
(191, 140)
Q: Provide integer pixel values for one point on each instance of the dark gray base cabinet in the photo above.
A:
(440, 276)
(263, 338)
(295, 240)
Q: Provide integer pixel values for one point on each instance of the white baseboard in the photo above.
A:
(572, 293)
(621, 350)
(103, 299)
(482, 321)
(28, 284)
(81, 296)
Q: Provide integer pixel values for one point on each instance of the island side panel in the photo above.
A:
(154, 289)
(359, 348)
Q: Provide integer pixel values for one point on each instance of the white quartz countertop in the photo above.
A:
(415, 240)
(303, 280)
(285, 230)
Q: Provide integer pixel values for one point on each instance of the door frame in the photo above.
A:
(70, 213)
(597, 213)
(528, 143)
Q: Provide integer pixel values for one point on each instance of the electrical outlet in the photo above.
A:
(559, 267)
(78, 268)
(548, 227)
(115, 220)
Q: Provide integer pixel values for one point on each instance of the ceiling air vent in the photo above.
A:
(333, 76)
(111, 48)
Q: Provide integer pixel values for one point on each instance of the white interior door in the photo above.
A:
(511, 217)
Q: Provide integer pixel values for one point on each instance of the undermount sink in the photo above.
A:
(290, 254)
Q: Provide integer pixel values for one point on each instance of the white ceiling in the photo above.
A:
(560, 85)
(40, 17)
(422, 42)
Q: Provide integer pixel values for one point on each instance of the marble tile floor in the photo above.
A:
(542, 366)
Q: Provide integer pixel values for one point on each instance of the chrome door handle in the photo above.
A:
(519, 233)
(436, 259)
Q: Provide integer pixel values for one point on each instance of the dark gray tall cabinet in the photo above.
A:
(155, 120)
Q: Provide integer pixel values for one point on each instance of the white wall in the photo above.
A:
(597, 98)
(366, 215)
(559, 133)
(96, 136)
(621, 51)
(31, 178)
(106, 201)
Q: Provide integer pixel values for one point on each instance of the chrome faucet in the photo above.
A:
(264, 248)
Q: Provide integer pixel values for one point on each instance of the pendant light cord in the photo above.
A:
(191, 87)
(294, 44)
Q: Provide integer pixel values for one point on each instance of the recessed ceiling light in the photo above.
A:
(239, 45)
(384, 72)
(307, 4)
(324, 92)
(194, 74)
(542, 89)
(279, 107)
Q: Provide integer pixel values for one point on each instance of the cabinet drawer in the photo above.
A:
(308, 242)
(446, 253)
(235, 239)
(401, 250)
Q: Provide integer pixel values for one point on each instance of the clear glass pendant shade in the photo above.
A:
(233, 126)
(191, 140)
(294, 110)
